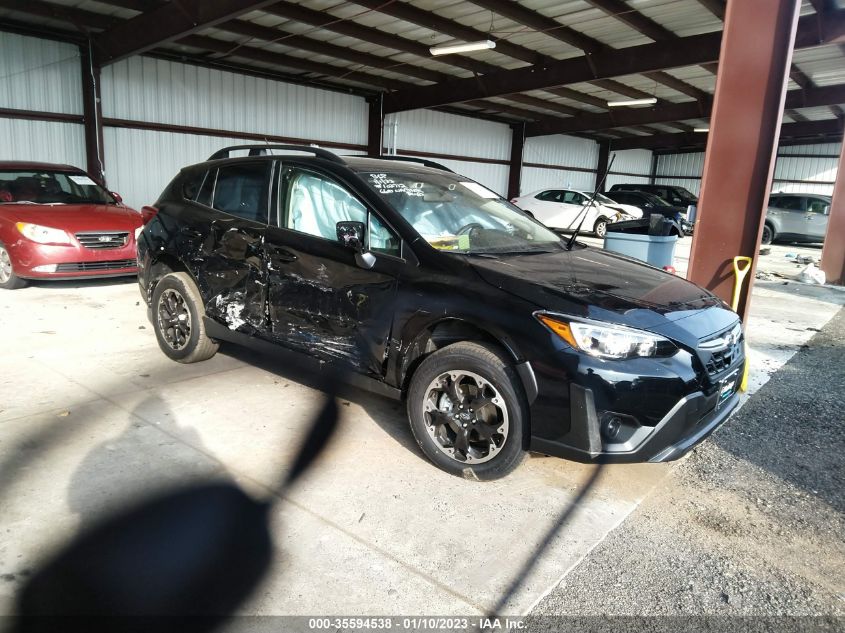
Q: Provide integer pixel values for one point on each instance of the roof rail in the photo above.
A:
(414, 159)
(261, 150)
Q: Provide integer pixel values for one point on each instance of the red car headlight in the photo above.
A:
(43, 234)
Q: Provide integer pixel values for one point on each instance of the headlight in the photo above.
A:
(607, 341)
(43, 234)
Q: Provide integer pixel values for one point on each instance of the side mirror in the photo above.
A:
(116, 196)
(351, 234)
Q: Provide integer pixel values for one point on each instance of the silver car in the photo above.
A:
(796, 217)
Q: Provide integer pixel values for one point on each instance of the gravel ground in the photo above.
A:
(750, 524)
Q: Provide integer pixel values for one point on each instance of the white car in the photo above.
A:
(563, 209)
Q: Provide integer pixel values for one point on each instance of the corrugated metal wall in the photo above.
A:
(683, 170)
(43, 141)
(152, 90)
(626, 163)
(139, 163)
(40, 75)
(813, 172)
(443, 133)
(804, 168)
(562, 151)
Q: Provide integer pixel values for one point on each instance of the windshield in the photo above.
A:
(455, 214)
(602, 199)
(50, 187)
(655, 199)
(686, 194)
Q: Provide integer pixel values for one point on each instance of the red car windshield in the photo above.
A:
(50, 187)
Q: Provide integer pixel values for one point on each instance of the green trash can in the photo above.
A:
(648, 240)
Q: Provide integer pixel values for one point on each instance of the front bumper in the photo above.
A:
(29, 260)
(660, 408)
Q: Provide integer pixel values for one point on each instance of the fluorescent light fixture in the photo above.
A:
(701, 129)
(632, 102)
(462, 48)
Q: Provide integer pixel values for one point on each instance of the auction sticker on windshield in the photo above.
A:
(82, 180)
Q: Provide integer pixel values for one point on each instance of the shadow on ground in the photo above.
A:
(147, 457)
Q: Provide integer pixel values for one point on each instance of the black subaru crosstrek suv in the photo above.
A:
(423, 285)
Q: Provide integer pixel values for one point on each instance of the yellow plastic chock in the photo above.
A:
(741, 267)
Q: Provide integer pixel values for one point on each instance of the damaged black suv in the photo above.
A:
(424, 285)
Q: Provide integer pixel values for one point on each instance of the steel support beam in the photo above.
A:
(739, 162)
(375, 127)
(166, 23)
(833, 252)
(92, 115)
(515, 168)
(808, 130)
(601, 163)
(809, 98)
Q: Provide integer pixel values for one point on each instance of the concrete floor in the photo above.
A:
(92, 414)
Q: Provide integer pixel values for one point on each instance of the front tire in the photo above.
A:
(178, 313)
(600, 227)
(8, 279)
(468, 412)
(768, 234)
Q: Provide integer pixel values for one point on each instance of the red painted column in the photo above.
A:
(741, 147)
(833, 252)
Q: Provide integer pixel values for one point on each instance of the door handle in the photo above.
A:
(186, 230)
(282, 257)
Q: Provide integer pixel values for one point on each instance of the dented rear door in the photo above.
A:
(320, 300)
(232, 272)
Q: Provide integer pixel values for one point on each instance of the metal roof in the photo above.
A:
(372, 47)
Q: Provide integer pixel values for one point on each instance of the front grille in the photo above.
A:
(81, 267)
(721, 351)
(103, 239)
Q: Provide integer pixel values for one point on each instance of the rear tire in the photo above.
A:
(8, 279)
(768, 234)
(479, 430)
(178, 311)
(600, 227)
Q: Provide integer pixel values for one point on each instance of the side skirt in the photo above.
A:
(299, 360)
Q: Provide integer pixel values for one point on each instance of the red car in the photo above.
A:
(57, 223)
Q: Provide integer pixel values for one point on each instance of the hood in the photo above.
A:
(74, 217)
(599, 284)
(627, 209)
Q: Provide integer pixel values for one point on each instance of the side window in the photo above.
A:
(316, 205)
(548, 196)
(817, 205)
(571, 197)
(206, 190)
(792, 203)
(381, 238)
(191, 184)
(242, 190)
